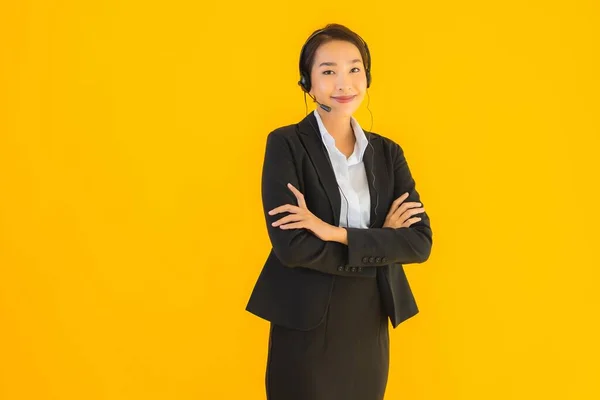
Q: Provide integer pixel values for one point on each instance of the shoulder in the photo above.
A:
(387, 145)
(284, 132)
(283, 141)
(284, 138)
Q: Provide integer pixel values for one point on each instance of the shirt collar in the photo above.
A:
(361, 138)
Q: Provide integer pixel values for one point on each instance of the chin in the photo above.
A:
(346, 111)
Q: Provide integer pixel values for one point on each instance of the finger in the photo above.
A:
(411, 221)
(405, 215)
(286, 219)
(399, 200)
(395, 204)
(413, 211)
(283, 208)
(298, 194)
(402, 198)
(295, 225)
(406, 206)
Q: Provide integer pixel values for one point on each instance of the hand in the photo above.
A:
(302, 217)
(399, 215)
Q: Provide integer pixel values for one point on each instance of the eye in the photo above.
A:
(326, 72)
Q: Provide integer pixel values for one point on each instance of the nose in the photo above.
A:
(344, 82)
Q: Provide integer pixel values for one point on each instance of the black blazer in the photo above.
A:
(294, 287)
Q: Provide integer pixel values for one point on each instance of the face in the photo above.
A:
(338, 72)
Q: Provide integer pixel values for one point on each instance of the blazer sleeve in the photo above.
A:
(381, 246)
(294, 247)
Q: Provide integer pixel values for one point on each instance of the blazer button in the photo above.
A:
(365, 259)
(353, 269)
(384, 259)
(377, 259)
(341, 268)
(371, 259)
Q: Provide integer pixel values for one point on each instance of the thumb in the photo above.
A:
(299, 196)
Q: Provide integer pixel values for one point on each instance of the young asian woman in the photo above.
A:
(343, 216)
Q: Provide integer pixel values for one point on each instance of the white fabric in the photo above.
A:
(351, 177)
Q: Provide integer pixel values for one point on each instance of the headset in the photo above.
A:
(305, 84)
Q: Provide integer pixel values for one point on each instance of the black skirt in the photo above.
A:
(346, 357)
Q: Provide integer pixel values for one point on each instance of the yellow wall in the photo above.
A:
(131, 229)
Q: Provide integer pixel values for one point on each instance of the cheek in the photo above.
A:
(361, 82)
(322, 85)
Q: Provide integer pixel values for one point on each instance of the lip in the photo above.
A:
(344, 99)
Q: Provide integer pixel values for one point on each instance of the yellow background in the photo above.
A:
(131, 229)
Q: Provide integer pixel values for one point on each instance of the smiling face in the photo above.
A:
(338, 77)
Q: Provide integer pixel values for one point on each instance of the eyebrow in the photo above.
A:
(332, 64)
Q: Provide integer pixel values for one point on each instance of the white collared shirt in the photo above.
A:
(351, 177)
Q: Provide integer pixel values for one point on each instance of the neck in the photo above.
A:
(338, 126)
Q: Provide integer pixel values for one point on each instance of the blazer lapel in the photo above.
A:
(311, 138)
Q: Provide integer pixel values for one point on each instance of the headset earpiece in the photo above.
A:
(303, 83)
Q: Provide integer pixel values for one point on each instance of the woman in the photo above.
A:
(335, 273)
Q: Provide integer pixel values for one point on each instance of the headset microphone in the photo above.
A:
(323, 106)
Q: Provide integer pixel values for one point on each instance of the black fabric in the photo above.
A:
(346, 357)
(295, 283)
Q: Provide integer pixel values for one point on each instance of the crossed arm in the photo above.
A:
(346, 246)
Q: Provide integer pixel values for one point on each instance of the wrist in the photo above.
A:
(339, 235)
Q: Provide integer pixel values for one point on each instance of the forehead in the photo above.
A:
(337, 51)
